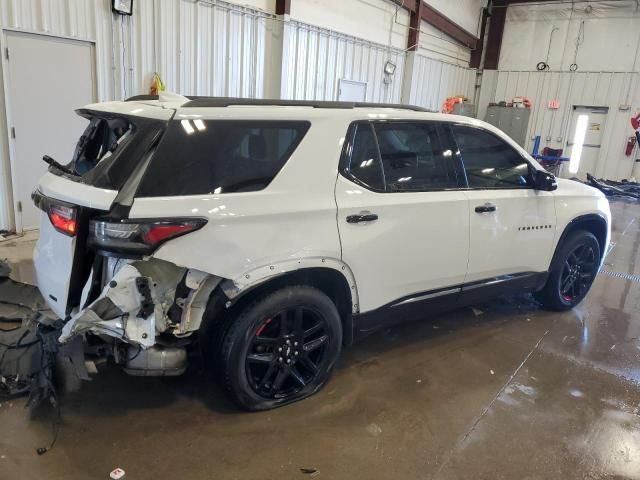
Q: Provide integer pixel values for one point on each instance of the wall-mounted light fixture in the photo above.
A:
(123, 7)
(389, 67)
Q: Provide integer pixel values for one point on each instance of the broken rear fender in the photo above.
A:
(144, 299)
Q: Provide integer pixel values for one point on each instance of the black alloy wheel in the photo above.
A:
(572, 272)
(579, 270)
(286, 352)
(280, 347)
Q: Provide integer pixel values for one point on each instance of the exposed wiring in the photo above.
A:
(579, 41)
(53, 396)
(136, 355)
(545, 65)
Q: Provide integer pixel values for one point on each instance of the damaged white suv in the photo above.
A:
(265, 235)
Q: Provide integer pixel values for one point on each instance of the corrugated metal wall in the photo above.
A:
(607, 89)
(314, 59)
(435, 80)
(198, 48)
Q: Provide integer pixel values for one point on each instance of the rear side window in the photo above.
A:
(365, 162)
(489, 161)
(413, 157)
(198, 157)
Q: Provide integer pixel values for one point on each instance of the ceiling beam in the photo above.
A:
(438, 20)
(476, 54)
(498, 15)
(446, 25)
(415, 18)
(283, 7)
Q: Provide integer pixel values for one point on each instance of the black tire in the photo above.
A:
(572, 272)
(256, 374)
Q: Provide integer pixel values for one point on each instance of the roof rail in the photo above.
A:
(229, 101)
(138, 98)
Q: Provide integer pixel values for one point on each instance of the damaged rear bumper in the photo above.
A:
(143, 302)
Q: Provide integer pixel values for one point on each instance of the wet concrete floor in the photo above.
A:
(505, 391)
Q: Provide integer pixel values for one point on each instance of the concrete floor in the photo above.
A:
(505, 391)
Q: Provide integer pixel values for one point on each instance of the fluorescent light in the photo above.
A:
(488, 170)
(186, 124)
(199, 124)
(578, 141)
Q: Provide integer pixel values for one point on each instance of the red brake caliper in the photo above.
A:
(266, 322)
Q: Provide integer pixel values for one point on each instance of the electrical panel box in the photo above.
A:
(511, 120)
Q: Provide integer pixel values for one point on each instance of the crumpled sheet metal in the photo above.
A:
(117, 311)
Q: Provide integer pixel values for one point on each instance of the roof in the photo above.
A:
(220, 102)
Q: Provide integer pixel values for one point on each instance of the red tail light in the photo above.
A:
(63, 218)
(140, 237)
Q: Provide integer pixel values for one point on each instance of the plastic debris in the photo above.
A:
(117, 474)
(492, 372)
(477, 312)
(312, 472)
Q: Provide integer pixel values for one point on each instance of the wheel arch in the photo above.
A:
(593, 223)
(334, 279)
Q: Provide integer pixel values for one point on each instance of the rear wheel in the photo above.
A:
(281, 348)
(572, 273)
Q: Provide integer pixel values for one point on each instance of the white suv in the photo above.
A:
(266, 235)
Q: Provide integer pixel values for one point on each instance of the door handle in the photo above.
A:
(487, 207)
(362, 217)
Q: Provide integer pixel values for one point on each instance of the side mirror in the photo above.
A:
(544, 181)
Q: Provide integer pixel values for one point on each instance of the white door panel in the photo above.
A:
(516, 237)
(419, 241)
(48, 78)
(590, 156)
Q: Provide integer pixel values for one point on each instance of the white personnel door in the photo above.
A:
(596, 117)
(351, 91)
(48, 78)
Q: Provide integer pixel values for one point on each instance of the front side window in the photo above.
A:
(401, 157)
(413, 157)
(197, 157)
(490, 162)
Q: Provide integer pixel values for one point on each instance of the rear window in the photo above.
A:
(110, 148)
(100, 140)
(198, 157)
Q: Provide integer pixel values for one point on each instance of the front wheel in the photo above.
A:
(572, 273)
(281, 348)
